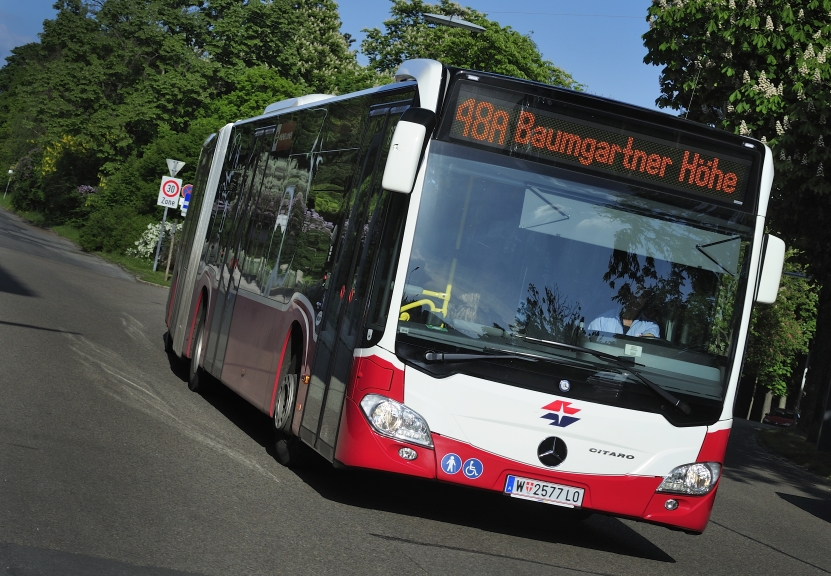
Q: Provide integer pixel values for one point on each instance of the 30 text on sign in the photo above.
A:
(169, 192)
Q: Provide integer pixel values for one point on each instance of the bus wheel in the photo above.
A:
(286, 446)
(196, 376)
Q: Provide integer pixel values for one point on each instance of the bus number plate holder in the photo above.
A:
(557, 494)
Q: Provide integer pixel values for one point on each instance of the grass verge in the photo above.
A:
(792, 445)
(141, 269)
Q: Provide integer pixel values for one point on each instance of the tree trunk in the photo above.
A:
(752, 397)
(766, 407)
(819, 371)
(783, 400)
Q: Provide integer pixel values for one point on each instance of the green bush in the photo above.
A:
(112, 229)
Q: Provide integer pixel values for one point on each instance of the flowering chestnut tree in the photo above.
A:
(762, 68)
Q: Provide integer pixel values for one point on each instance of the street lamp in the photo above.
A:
(8, 182)
(453, 22)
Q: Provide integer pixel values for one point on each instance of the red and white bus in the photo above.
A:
(486, 281)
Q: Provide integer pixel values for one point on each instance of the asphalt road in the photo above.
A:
(110, 465)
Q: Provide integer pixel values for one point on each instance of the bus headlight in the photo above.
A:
(695, 479)
(395, 420)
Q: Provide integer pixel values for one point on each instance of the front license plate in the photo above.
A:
(544, 492)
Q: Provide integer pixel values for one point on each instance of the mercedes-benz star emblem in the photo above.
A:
(552, 451)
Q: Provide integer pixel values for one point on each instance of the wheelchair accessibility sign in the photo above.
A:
(472, 468)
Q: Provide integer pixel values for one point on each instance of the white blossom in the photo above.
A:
(732, 4)
(820, 142)
(146, 244)
(782, 155)
(822, 118)
(779, 129)
(809, 51)
(746, 77)
(820, 171)
(817, 76)
(769, 23)
(765, 86)
(764, 140)
(743, 129)
(801, 15)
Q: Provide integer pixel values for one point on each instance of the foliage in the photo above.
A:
(112, 229)
(499, 49)
(779, 333)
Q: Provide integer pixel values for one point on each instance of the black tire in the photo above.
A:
(197, 376)
(288, 449)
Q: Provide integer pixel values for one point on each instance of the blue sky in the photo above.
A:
(597, 41)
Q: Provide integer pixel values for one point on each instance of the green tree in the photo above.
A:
(779, 333)
(761, 68)
(498, 49)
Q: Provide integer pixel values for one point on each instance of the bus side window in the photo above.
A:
(285, 262)
(324, 219)
(251, 216)
(227, 194)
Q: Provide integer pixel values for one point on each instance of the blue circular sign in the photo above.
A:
(472, 468)
(451, 463)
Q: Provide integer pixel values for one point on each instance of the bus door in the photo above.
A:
(340, 329)
(234, 257)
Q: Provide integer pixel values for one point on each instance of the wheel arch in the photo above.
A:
(202, 301)
(295, 336)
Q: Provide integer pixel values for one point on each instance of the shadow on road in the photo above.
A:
(431, 500)
(12, 285)
(819, 508)
(479, 509)
(748, 461)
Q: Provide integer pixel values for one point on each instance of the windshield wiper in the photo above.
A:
(627, 364)
(458, 357)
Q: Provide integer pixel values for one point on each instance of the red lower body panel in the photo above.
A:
(359, 445)
(630, 496)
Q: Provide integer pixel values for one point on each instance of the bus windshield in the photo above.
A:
(514, 255)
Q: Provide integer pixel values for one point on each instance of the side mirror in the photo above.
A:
(407, 148)
(774, 260)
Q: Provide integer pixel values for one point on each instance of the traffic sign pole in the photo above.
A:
(159, 245)
(170, 249)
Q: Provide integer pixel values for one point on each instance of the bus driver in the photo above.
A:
(628, 319)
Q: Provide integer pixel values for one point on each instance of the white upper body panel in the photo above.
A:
(511, 422)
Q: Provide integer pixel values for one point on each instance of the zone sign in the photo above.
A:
(169, 192)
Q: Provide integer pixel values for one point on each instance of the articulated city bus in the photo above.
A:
(483, 280)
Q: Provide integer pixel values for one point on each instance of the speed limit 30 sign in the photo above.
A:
(169, 192)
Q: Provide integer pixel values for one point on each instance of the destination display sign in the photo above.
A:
(502, 119)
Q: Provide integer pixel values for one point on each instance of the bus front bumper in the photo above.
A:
(629, 496)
